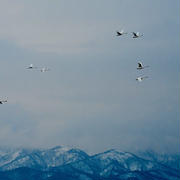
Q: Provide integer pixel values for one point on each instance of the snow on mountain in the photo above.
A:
(66, 163)
(41, 159)
(60, 156)
(124, 159)
(171, 160)
(9, 155)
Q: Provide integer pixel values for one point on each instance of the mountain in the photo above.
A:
(39, 159)
(172, 160)
(74, 164)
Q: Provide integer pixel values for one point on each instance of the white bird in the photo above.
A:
(140, 66)
(3, 101)
(45, 69)
(31, 66)
(136, 34)
(120, 33)
(141, 78)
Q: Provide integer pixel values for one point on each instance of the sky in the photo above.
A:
(90, 99)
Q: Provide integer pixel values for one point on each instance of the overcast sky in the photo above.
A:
(90, 98)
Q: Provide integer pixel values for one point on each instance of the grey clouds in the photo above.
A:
(90, 98)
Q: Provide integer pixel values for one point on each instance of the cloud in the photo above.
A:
(43, 28)
(90, 97)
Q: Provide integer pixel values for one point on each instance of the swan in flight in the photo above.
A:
(120, 33)
(3, 101)
(136, 34)
(140, 66)
(45, 69)
(31, 66)
(141, 78)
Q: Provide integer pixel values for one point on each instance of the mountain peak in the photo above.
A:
(60, 148)
(113, 151)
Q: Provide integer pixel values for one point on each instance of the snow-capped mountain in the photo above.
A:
(172, 160)
(127, 164)
(65, 163)
(124, 159)
(39, 159)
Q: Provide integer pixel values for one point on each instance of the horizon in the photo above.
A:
(68, 148)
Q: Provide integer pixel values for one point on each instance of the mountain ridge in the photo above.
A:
(73, 163)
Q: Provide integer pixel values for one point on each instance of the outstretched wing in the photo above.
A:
(122, 31)
(118, 33)
(134, 34)
(30, 66)
(140, 65)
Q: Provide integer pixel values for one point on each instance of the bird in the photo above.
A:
(31, 66)
(141, 78)
(44, 69)
(120, 33)
(140, 66)
(3, 101)
(136, 34)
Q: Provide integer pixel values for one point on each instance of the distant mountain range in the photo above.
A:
(62, 163)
